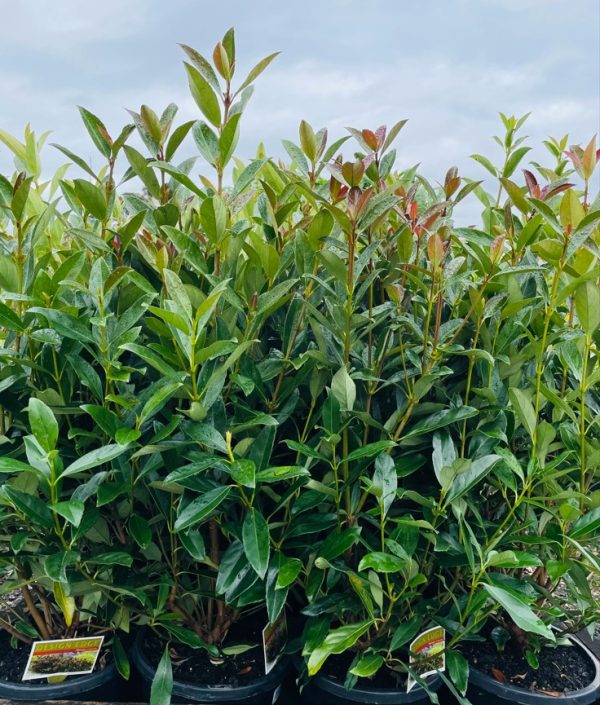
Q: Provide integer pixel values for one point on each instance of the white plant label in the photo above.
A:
(427, 655)
(62, 657)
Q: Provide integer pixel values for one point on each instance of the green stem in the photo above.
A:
(582, 425)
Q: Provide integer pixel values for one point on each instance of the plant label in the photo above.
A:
(274, 641)
(427, 654)
(62, 657)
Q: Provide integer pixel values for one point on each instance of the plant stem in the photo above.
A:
(582, 426)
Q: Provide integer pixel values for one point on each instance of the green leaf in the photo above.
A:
(381, 562)
(440, 419)
(405, 633)
(208, 436)
(32, 507)
(257, 70)
(140, 166)
(514, 160)
(213, 214)
(10, 465)
(385, 480)
(516, 195)
(587, 305)
(586, 526)
(179, 134)
(157, 400)
(571, 210)
(344, 389)
(162, 683)
(152, 358)
(112, 558)
(308, 141)
(202, 65)
(43, 424)
(140, 530)
(247, 177)
(9, 319)
(283, 472)
(92, 198)
(72, 510)
(56, 564)
(338, 542)
(120, 657)
(512, 559)
(193, 543)
(289, 570)
(97, 132)
(275, 598)
(296, 155)
(187, 636)
(368, 664)
(180, 177)
(255, 534)
(243, 472)
(95, 457)
(229, 138)
(204, 95)
(486, 163)
(369, 450)
(523, 408)
(207, 142)
(125, 436)
(201, 507)
(336, 642)
(468, 478)
(519, 612)
(458, 670)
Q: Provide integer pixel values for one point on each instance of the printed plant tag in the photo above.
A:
(274, 641)
(62, 657)
(427, 655)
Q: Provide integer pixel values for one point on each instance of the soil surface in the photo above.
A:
(562, 669)
(194, 665)
(13, 661)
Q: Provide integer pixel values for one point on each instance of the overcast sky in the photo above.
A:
(448, 66)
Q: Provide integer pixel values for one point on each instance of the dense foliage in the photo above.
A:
(299, 385)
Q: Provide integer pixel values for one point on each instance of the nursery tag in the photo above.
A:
(274, 640)
(427, 655)
(62, 657)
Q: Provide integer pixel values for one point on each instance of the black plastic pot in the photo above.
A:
(323, 690)
(485, 690)
(101, 685)
(263, 691)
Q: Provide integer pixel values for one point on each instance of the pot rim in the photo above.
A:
(78, 684)
(583, 696)
(386, 696)
(215, 693)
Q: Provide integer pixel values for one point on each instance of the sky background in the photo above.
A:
(448, 66)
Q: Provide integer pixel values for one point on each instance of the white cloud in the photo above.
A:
(61, 25)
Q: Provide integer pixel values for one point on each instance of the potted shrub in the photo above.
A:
(60, 575)
(525, 589)
(371, 580)
(58, 551)
(220, 574)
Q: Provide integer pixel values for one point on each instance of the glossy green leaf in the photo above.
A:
(519, 611)
(201, 508)
(255, 533)
(43, 424)
(162, 683)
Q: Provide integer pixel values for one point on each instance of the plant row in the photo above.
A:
(235, 387)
